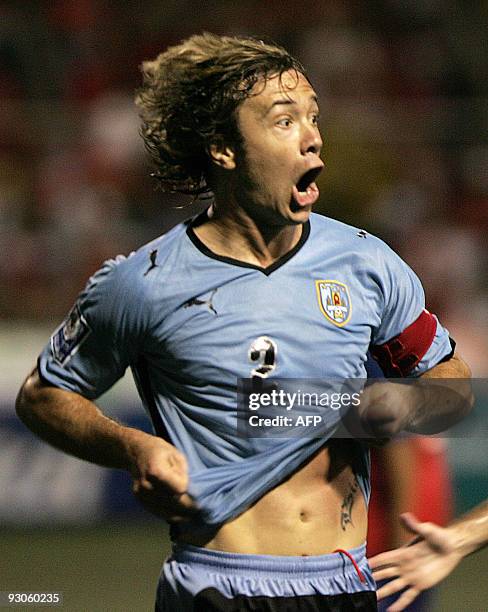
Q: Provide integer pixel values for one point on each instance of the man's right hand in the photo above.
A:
(160, 479)
(75, 425)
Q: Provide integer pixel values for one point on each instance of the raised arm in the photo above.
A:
(75, 425)
(431, 556)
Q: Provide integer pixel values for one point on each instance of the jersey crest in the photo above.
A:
(334, 301)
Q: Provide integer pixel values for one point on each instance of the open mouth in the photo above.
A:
(307, 179)
(305, 191)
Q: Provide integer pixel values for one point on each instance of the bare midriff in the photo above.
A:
(317, 510)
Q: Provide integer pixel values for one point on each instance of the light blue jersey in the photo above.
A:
(190, 323)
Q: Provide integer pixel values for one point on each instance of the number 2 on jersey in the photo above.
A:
(262, 352)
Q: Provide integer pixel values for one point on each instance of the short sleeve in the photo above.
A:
(404, 322)
(100, 337)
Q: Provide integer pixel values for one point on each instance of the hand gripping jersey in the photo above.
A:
(189, 324)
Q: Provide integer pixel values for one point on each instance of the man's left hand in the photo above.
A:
(387, 408)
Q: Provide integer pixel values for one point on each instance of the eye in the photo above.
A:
(315, 118)
(284, 122)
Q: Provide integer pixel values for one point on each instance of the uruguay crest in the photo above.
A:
(334, 301)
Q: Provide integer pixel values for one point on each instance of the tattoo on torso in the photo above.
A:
(347, 503)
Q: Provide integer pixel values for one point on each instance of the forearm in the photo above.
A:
(75, 425)
(444, 397)
(470, 531)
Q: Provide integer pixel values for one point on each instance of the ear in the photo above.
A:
(222, 154)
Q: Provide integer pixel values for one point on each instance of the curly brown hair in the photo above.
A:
(189, 97)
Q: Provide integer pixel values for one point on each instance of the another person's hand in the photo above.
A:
(160, 479)
(420, 565)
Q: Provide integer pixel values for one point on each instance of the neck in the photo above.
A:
(234, 233)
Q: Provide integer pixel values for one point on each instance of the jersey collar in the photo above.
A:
(236, 262)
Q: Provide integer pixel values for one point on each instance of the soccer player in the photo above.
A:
(256, 286)
(431, 556)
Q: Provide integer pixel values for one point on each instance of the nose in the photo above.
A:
(311, 140)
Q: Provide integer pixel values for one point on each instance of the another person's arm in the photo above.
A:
(75, 425)
(430, 557)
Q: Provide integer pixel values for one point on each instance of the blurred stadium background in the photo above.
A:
(403, 88)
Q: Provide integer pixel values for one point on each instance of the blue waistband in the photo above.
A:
(287, 566)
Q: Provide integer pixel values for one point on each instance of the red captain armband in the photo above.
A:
(400, 355)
